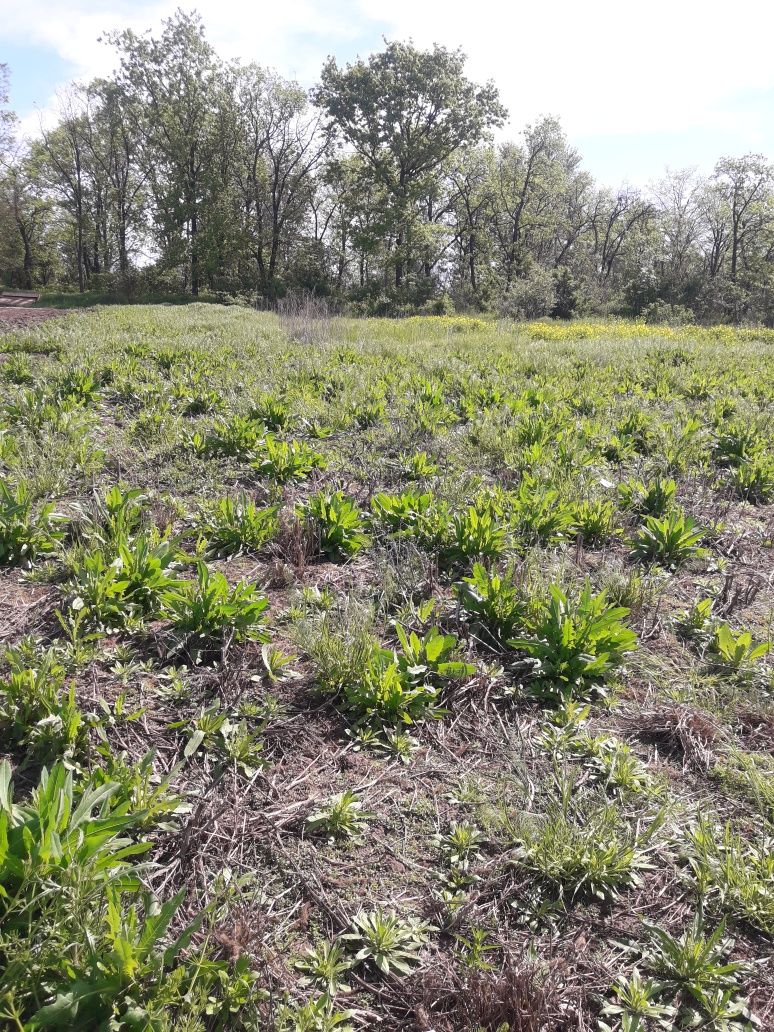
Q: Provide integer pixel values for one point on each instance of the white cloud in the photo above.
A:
(604, 67)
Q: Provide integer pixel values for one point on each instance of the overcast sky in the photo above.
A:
(637, 86)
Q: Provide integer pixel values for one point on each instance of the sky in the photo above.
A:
(638, 87)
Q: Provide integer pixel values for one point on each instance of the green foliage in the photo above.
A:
(59, 838)
(25, 534)
(736, 649)
(753, 479)
(233, 526)
(670, 540)
(387, 941)
(594, 521)
(325, 966)
(476, 533)
(494, 602)
(575, 644)
(207, 614)
(653, 499)
(636, 1000)
(237, 436)
(133, 586)
(732, 874)
(272, 412)
(231, 741)
(577, 854)
(418, 466)
(541, 515)
(402, 512)
(403, 687)
(38, 712)
(341, 817)
(337, 523)
(287, 460)
(695, 966)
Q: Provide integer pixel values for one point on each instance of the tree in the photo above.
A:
(169, 86)
(405, 112)
(280, 147)
(60, 160)
(746, 183)
(7, 117)
(24, 222)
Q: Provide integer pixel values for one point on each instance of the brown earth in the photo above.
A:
(21, 318)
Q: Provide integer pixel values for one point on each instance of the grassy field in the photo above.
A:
(397, 675)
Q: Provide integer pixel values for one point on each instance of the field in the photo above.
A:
(397, 675)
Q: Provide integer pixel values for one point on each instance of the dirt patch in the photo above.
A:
(20, 318)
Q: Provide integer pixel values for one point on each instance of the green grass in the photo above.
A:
(374, 656)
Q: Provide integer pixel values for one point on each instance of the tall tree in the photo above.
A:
(169, 86)
(405, 112)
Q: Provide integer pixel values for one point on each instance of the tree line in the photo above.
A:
(381, 189)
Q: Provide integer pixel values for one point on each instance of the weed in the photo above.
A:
(25, 534)
(575, 644)
(233, 526)
(670, 540)
(387, 941)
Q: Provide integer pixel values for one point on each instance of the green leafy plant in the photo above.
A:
(60, 837)
(419, 465)
(735, 875)
(287, 460)
(38, 712)
(655, 498)
(132, 586)
(207, 614)
(637, 1000)
(670, 540)
(594, 521)
(341, 817)
(541, 515)
(325, 966)
(230, 740)
(337, 523)
(25, 534)
(401, 688)
(575, 644)
(272, 411)
(387, 941)
(494, 602)
(578, 854)
(236, 437)
(401, 512)
(736, 650)
(476, 533)
(233, 526)
(753, 479)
